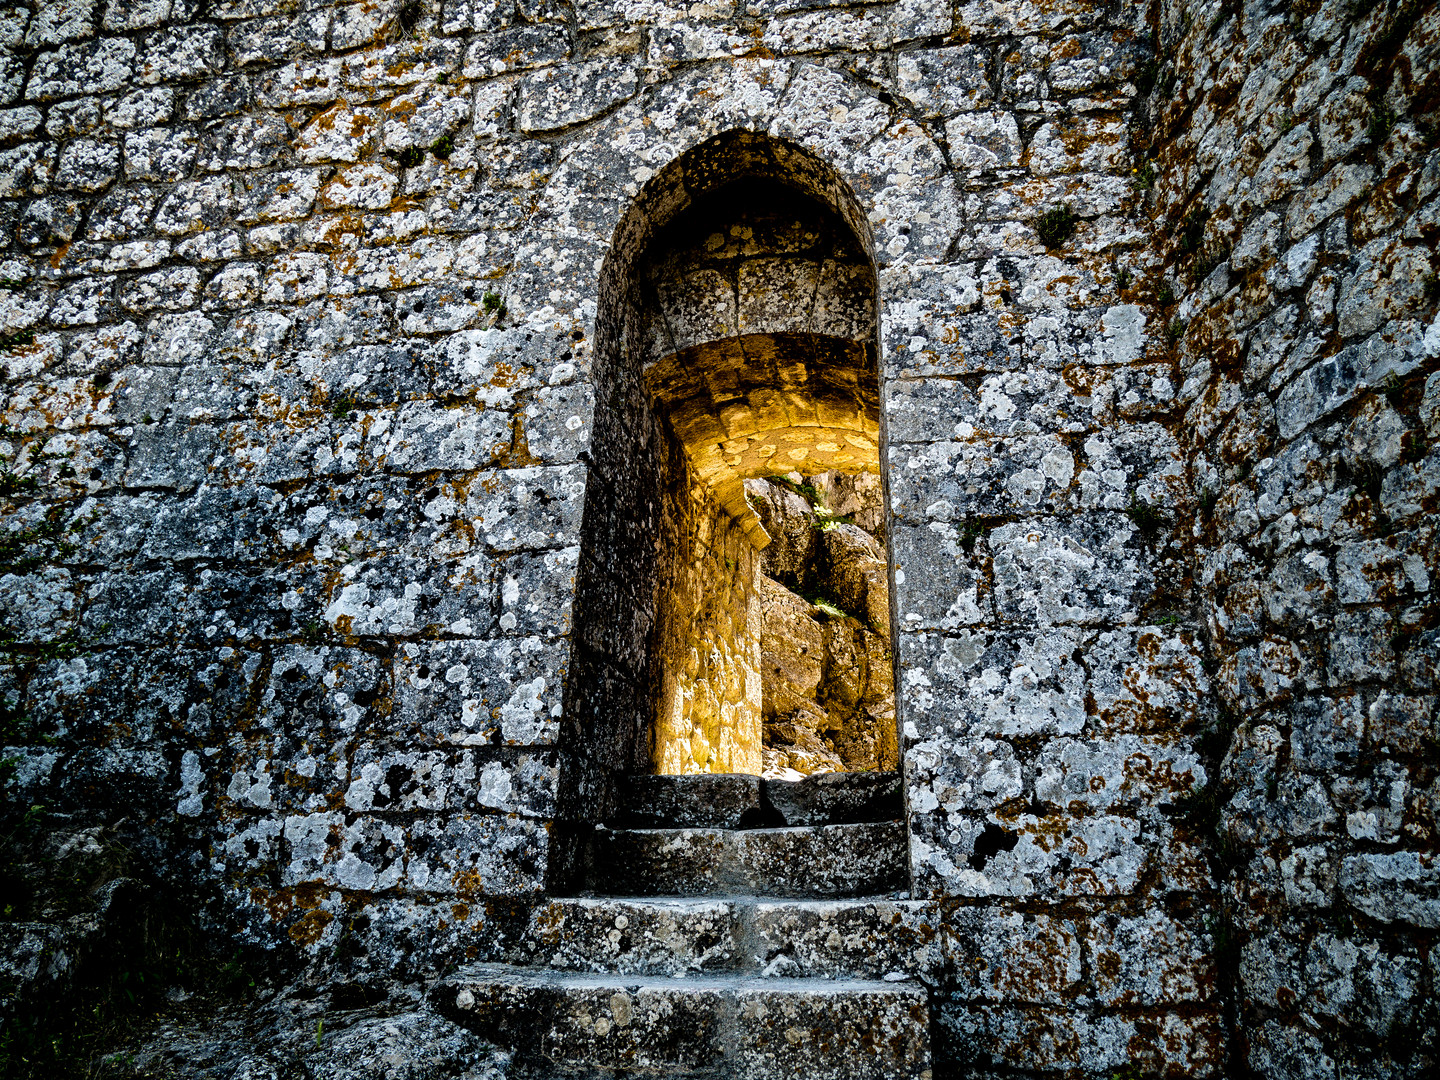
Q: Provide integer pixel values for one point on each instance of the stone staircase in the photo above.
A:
(732, 927)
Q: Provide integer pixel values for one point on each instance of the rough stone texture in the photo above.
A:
(1306, 161)
(708, 651)
(829, 860)
(698, 1026)
(332, 478)
(305, 1035)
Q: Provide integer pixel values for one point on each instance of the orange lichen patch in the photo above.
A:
(401, 108)
(515, 455)
(59, 255)
(309, 928)
(469, 885)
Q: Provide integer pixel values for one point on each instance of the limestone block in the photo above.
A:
(135, 14)
(422, 438)
(280, 196)
(470, 855)
(837, 939)
(403, 63)
(536, 591)
(945, 80)
(1393, 886)
(1082, 573)
(987, 140)
(180, 53)
(558, 97)
(40, 606)
(808, 1035)
(927, 411)
(1360, 649)
(938, 583)
(392, 596)
(558, 421)
(408, 1044)
(161, 153)
(188, 207)
(515, 49)
(16, 124)
(90, 67)
(26, 169)
(1129, 771)
(469, 692)
(1148, 681)
(1056, 1038)
(337, 134)
(823, 110)
(423, 116)
(528, 508)
(163, 290)
(960, 774)
(302, 82)
(825, 861)
(61, 20)
(958, 856)
(658, 937)
(957, 481)
(998, 955)
(811, 31)
(993, 684)
(278, 37)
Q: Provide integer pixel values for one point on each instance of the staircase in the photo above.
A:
(732, 927)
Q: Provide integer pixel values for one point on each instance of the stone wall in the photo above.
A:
(316, 352)
(1295, 158)
(707, 718)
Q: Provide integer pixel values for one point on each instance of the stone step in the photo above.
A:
(742, 801)
(716, 1026)
(864, 938)
(812, 861)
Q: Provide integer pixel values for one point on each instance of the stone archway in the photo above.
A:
(771, 646)
(704, 381)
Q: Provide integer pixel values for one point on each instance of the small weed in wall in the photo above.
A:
(410, 157)
(494, 306)
(408, 17)
(1145, 77)
(1142, 178)
(1382, 122)
(1205, 263)
(1055, 226)
(1147, 518)
(443, 147)
(1192, 229)
(1175, 331)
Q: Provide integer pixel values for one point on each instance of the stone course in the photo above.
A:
(309, 324)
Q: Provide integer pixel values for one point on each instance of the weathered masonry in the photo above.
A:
(463, 459)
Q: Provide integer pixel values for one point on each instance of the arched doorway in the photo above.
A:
(736, 490)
